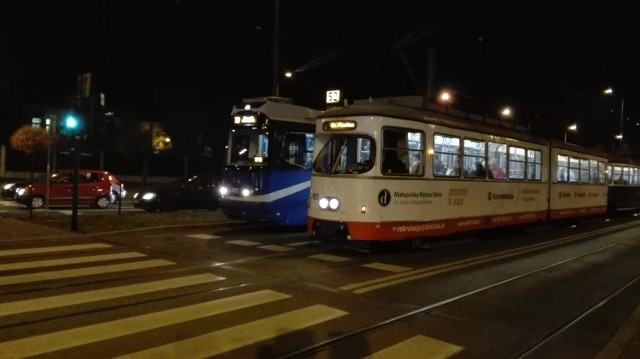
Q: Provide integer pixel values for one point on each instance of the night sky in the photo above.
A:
(550, 60)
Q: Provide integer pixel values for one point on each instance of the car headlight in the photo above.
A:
(148, 196)
(20, 191)
(8, 185)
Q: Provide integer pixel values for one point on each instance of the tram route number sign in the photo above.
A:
(333, 96)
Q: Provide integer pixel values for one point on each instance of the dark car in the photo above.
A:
(195, 192)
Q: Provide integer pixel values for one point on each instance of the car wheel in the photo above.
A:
(103, 202)
(37, 202)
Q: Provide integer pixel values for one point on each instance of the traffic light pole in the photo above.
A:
(75, 151)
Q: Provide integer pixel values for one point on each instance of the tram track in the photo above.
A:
(364, 287)
(334, 342)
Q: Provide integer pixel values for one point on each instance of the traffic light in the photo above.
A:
(71, 125)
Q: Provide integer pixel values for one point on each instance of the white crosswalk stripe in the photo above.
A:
(77, 272)
(85, 297)
(72, 260)
(224, 339)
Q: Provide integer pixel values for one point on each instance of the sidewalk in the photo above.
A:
(14, 229)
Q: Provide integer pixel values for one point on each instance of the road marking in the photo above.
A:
(80, 272)
(275, 248)
(226, 340)
(59, 301)
(72, 260)
(418, 347)
(242, 242)
(68, 212)
(329, 258)
(64, 339)
(202, 236)
(39, 250)
(387, 267)
(302, 243)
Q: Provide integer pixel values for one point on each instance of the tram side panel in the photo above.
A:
(578, 184)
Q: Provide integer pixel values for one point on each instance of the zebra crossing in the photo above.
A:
(82, 262)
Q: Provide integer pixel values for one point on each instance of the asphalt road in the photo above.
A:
(229, 291)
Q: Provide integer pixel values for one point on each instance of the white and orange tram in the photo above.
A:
(384, 171)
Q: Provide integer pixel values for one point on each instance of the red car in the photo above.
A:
(95, 188)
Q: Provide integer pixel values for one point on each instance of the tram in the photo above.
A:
(267, 170)
(393, 169)
(624, 184)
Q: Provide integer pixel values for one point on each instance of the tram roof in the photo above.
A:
(276, 108)
(414, 108)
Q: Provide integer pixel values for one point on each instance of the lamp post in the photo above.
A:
(619, 136)
(573, 128)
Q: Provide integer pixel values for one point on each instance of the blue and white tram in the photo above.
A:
(388, 172)
(267, 171)
(624, 184)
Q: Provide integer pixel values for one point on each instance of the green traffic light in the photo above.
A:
(70, 122)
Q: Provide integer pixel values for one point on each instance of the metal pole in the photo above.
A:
(76, 166)
(565, 136)
(276, 30)
(621, 117)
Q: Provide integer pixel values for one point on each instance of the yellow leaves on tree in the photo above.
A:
(29, 139)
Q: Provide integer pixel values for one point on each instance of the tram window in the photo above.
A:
(602, 179)
(534, 165)
(562, 168)
(584, 170)
(497, 160)
(346, 155)
(594, 175)
(634, 175)
(574, 169)
(474, 158)
(246, 147)
(400, 146)
(617, 175)
(296, 150)
(516, 163)
(625, 175)
(446, 159)
(609, 174)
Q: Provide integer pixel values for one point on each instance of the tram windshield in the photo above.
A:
(248, 147)
(346, 154)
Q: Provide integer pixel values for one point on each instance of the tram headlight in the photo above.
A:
(245, 192)
(323, 203)
(334, 203)
(224, 190)
(329, 203)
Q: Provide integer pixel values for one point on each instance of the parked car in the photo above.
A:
(195, 192)
(95, 188)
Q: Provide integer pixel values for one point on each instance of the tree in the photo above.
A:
(30, 140)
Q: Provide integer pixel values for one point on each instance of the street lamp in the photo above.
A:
(573, 128)
(609, 91)
(506, 112)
